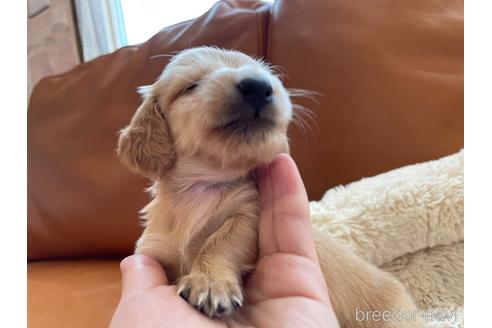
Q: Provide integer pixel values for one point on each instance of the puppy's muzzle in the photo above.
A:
(256, 92)
(252, 111)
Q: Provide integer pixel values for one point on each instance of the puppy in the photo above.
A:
(204, 125)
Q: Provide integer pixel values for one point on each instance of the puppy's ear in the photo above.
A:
(146, 145)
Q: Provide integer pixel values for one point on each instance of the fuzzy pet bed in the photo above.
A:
(409, 222)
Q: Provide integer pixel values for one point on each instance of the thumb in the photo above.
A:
(285, 224)
(139, 273)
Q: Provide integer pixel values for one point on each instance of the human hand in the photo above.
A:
(287, 288)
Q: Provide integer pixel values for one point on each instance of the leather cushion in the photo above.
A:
(74, 294)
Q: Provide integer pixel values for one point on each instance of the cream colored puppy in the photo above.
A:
(208, 121)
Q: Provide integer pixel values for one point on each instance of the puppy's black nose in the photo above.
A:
(256, 92)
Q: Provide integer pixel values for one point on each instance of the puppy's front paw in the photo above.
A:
(209, 295)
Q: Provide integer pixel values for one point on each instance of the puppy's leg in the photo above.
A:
(363, 295)
(214, 283)
(161, 248)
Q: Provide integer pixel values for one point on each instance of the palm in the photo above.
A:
(281, 290)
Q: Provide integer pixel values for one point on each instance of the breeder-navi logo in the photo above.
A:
(407, 315)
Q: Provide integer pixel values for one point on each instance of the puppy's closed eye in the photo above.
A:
(189, 88)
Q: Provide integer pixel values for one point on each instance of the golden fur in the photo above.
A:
(201, 224)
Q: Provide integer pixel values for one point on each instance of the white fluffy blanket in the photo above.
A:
(409, 222)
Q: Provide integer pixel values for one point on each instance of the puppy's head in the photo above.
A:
(219, 106)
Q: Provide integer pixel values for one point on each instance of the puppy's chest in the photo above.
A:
(189, 217)
(196, 209)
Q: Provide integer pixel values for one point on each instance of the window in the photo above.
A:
(146, 17)
(106, 25)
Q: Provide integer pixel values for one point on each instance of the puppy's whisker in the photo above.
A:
(172, 54)
(303, 93)
(301, 116)
(300, 124)
(305, 112)
(302, 111)
(161, 55)
(279, 71)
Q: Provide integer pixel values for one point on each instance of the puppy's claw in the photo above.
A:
(210, 296)
(185, 293)
(221, 309)
(202, 299)
(236, 302)
(199, 308)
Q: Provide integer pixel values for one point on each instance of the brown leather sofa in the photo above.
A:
(390, 78)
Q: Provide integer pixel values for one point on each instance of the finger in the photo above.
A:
(291, 221)
(140, 273)
(266, 238)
